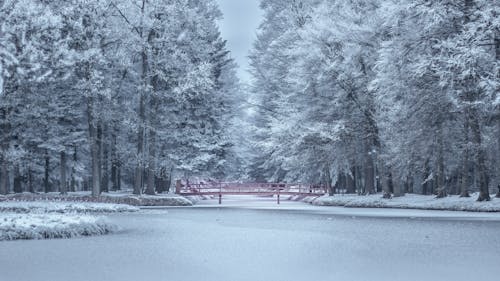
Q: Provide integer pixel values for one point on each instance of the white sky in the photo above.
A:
(239, 27)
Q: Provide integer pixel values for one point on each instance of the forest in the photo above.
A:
(363, 96)
(96, 94)
(389, 96)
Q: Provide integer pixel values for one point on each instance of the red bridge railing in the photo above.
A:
(234, 188)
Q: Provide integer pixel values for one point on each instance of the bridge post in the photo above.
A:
(278, 195)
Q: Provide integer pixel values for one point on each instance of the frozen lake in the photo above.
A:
(257, 240)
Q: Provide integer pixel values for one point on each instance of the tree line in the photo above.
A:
(370, 95)
(99, 93)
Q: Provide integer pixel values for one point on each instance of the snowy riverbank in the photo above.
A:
(121, 197)
(63, 207)
(409, 201)
(46, 220)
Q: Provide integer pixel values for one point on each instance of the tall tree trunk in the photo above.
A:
(484, 193)
(351, 182)
(142, 111)
(465, 177)
(4, 189)
(73, 170)
(369, 170)
(46, 180)
(427, 183)
(62, 183)
(386, 182)
(328, 182)
(94, 149)
(31, 187)
(140, 142)
(99, 153)
(18, 187)
(114, 162)
(150, 189)
(441, 186)
(118, 176)
(105, 161)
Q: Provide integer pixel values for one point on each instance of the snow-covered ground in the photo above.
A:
(263, 241)
(63, 207)
(119, 197)
(43, 220)
(409, 201)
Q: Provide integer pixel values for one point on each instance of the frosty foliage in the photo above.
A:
(94, 91)
(371, 95)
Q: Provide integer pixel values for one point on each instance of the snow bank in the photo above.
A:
(111, 197)
(47, 226)
(410, 201)
(63, 207)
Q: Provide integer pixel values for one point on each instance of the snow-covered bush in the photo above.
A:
(47, 226)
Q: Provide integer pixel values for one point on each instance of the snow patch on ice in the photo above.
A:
(121, 197)
(63, 207)
(409, 201)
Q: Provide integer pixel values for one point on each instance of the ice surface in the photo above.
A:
(263, 241)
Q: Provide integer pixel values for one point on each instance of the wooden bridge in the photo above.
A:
(260, 189)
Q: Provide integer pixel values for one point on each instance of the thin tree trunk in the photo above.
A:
(328, 181)
(142, 111)
(62, 183)
(351, 182)
(386, 182)
(105, 162)
(99, 153)
(18, 187)
(150, 190)
(369, 170)
(169, 181)
(114, 162)
(427, 183)
(4, 189)
(73, 170)
(465, 177)
(46, 183)
(484, 193)
(441, 188)
(94, 149)
(31, 188)
(118, 176)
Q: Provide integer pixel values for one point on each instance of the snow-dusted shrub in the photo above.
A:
(48, 226)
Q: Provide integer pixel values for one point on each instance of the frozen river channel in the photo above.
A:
(246, 240)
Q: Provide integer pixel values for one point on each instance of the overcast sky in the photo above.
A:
(238, 27)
